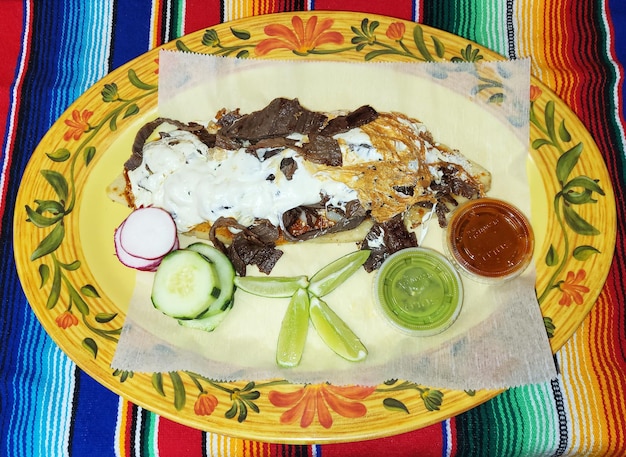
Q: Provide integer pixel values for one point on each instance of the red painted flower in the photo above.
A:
(301, 39)
(66, 320)
(78, 124)
(572, 288)
(320, 399)
(205, 404)
(395, 31)
(535, 93)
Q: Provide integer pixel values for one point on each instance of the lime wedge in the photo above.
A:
(335, 273)
(293, 330)
(335, 332)
(271, 286)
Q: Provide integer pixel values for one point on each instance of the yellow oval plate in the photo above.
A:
(81, 302)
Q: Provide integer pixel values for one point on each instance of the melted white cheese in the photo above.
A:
(196, 184)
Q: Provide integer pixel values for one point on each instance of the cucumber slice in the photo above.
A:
(225, 275)
(185, 285)
(208, 323)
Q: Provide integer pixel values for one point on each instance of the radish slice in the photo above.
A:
(131, 261)
(148, 233)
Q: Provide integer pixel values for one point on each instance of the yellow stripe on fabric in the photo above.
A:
(591, 392)
(603, 355)
(120, 428)
(154, 24)
(237, 9)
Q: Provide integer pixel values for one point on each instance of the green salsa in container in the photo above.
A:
(419, 291)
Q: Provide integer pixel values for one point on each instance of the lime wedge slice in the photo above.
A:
(335, 332)
(293, 330)
(271, 286)
(335, 273)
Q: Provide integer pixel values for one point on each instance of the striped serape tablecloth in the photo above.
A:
(53, 50)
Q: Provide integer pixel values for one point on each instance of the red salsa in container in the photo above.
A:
(490, 239)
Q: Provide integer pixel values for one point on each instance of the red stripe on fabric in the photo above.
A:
(200, 14)
(15, 40)
(175, 440)
(402, 9)
(129, 437)
(425, 442)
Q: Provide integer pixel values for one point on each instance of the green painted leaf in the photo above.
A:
(55, 291)
(552, 257)
(103, 318)
(577, 223)
(58, 183)
(113, 124)
(89, 291)
(60, 155)
(89, 154)
(232, 412)
(418, 38)
(243, 54)
(132, 109)
(579, 198)
(584, 252)
(78, 301)
(138, 83)
(50, 243)
(49, 206)
(564, 133)
(243, 412)
(549, 119)
(109, 93)
(39, 220)
(395, 405)
(241, 34)
(179, 390)
(91, 346)
(182, 46)
(584, 182)
(540, 142)
(75, 265)
(373, 26)
(497, 99)
(549, 325)
(470, 393)
(157, 383)
(440, 48)
(44, 274)
(373, 54)
(567, 162)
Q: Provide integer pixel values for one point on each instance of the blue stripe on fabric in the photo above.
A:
(131, 31)
(94, 408)
(36, 378)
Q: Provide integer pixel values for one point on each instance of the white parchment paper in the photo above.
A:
(498, 340)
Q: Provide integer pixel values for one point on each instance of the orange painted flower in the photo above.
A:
(78, 124)
(572, 288)
(205, 404)
(66, 320)
(320, 399)
(535, 93)
(395, 31)
(301, 39)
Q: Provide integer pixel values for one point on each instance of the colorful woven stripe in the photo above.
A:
(49, 407)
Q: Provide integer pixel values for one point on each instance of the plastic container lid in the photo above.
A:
(419, 291)
(490, 240)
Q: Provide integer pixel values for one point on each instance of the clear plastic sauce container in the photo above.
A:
(490, 240)
(419, 291)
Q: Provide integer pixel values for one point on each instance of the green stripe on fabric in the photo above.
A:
(482, 21)
(148, 436)
(526, 413)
